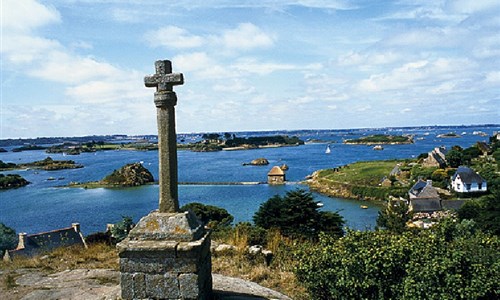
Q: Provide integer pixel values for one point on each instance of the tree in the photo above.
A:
(8, 238)
(212, 216)
(454, 158)
(297, 215)
(394, 216)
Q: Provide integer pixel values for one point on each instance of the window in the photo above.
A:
(467, 186)
(480, 185)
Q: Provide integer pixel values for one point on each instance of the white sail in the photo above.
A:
(328, 150)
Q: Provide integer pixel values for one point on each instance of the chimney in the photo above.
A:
(429, 182)
(76, 226)
(22, 240)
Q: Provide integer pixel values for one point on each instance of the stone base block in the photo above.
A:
(165, 269)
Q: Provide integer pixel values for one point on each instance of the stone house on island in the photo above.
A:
(276, 176)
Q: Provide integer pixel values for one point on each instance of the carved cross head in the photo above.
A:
(163, 79)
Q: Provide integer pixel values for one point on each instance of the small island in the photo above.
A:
(381, 139)
(47, 164)
(215, 142)
(257, 162)
(12, 181)
(130, 175)
(449, 135)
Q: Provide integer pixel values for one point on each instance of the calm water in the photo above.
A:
(43, 206)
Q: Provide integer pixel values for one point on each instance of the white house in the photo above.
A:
(465, 180)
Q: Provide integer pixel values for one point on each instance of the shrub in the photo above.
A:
(211, 216)
(449, 261)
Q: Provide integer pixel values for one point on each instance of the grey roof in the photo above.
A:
(37, 243)
(452, 204)
(425, 205)
(422, 189)
(467, 175)
(395, 171)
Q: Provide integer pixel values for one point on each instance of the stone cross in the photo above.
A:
(165, 100)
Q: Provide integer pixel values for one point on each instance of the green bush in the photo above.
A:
(211, 216)
(449, 261)
(120, 230)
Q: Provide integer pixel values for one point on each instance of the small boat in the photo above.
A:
(319, 204)
(328, 150)
(364, 206)
(378, 147)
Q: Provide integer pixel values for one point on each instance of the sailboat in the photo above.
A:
(328, 150)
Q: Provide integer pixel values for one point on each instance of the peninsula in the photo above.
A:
(368, 180)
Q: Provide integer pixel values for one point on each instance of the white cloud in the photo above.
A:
(62, 67)
(174, 37)
(493, 77)
(20, 49)
(417, 74)
(471, 6)
(253, 66)
(246, 36)
(26, 15)
(234, 86)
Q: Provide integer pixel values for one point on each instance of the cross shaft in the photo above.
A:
(165, 99)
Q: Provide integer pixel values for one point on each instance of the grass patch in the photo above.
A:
(277, 276)
(361, 173)
(97, 256)
(362, 180)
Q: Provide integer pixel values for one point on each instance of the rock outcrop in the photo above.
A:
(258, 162)
(83, 284)
(129, 175)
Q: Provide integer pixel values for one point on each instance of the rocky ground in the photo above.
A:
(84, 284)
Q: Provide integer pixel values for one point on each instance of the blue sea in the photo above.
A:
(43, 205)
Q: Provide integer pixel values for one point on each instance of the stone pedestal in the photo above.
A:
(166, 256)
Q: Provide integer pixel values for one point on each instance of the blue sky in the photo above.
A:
(76, 67)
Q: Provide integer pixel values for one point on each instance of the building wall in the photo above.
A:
(461, 187)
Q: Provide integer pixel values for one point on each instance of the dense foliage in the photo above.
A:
(4, 166)
(485, 211)
(449, 261)
(211, 216)
(297, 215)
(8, 238)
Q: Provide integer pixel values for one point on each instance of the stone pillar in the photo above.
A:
(166, 256)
